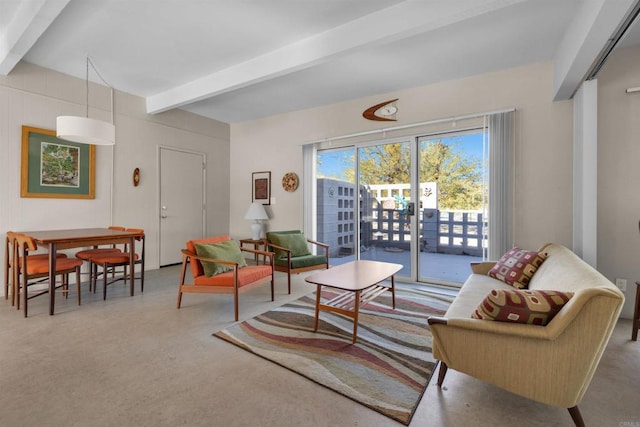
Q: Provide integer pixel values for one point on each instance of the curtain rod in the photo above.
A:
(412, 125)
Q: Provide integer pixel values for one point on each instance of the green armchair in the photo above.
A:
(292, 253)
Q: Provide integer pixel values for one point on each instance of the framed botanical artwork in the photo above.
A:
(261, 187)
(55, 168)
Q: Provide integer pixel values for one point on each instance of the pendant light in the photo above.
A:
(84, 129)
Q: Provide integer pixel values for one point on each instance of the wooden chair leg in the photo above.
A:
(235, 305)
(142, 277)
(183, 274)
(442, 373)
(17, 290)
(94, 276)
(24, 295)
(7, 268)
(65, 285)
(78, 283)
(289, 282)
(104, 276)
(576, 416)
(14, 278)
(636, 314)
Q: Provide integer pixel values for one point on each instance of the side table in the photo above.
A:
(636, 314)
(256, 246)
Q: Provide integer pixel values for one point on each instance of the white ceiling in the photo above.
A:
(237, 60)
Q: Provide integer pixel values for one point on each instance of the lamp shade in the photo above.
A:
(85, 130)
(256, 211)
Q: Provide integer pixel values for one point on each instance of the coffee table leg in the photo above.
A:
(356, 308)
(393, 292)
(636, 314)
(315, 325)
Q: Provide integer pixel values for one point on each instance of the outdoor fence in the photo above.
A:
(449, 232)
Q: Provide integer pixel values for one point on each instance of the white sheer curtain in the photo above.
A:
(309, 188)
(500, 130)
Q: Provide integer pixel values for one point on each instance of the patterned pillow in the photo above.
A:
(517, 266)
(521, 306)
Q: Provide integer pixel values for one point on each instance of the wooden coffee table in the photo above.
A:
(361, 281)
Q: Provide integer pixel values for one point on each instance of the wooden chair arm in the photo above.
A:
(324, 245)
(257, 251)
(270, 255)
(190, 254)
(271, 245)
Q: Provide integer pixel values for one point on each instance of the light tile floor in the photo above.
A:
(138, 361)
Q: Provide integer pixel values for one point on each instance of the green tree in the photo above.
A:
(385, 164)
(458, 175)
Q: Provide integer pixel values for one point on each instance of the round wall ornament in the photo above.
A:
(290, 181)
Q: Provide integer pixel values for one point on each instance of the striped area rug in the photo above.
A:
(387, 370)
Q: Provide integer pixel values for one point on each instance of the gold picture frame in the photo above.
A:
(261, 187)
(55, 168)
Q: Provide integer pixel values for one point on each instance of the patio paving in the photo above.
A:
(434, 266)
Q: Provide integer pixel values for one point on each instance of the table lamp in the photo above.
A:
(256, 212)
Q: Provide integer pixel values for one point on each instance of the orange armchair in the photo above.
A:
(223, 275)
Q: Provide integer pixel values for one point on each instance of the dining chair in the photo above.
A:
(88, 254)
(11, 273)
(31, 269)
(110, 261)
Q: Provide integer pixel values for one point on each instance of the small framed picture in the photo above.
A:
(261, 187)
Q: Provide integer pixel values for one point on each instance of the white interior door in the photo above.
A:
(182, 201)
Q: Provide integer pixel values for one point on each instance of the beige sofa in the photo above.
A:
(551, 364)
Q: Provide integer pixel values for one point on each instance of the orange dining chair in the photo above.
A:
(110, 261)
(36, 269)
(218, 267)
(88, 254)
(11, 273)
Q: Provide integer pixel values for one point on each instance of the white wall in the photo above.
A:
(619, 172)
(543, 186)
(585, 172)
(34, 96)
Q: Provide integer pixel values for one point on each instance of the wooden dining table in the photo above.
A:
(55, 240)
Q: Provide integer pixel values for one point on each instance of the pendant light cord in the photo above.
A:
(87, 83)
(89, 61)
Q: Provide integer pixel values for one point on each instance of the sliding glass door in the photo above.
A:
(362, 208)
(386, 208)
(336, 199)
(452, 177)
(417, 201)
